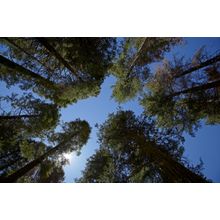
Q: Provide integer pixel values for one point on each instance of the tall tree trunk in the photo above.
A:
(199, 66)
(26, 72)
(169, 168)
(6, 117)
(53, 51)
(19, 173)
(206, 86)
(136, 57)
(27, 53)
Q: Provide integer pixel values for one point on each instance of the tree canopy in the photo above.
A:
(64, 70)
(132, 149)
(181, 94)
(131, 68)
(44, 75)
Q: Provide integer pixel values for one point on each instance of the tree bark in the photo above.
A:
(26, 72)
(199, 66)
(53, 51)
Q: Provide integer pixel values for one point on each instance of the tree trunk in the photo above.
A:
(197, 88)
(53, 51)
(19, 173)
(136, 57)
(170, 169)
(199, 66)
(27, 53)
(6, 117)
(26, 72)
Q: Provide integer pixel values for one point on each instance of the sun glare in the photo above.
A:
(68, 156)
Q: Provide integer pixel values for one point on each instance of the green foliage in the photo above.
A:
(133, 149)
(88, 62)
(132, 66)
(124, 91)
(176, 102)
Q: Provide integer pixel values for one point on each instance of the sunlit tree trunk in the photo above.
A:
(136, 56)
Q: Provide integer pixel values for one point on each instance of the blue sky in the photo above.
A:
(204, 145)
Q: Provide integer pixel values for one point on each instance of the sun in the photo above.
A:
(68, 156)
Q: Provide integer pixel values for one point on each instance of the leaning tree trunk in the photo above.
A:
(199, 66)
(21, 172)
(26, 72)
(53, 51)
(203, 87)
(136, 57)
(7, 39)
(170, 169)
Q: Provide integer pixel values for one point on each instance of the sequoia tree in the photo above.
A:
(131, 68)
(181, 93)
(132, 149)
(75, 134)
(61, 69)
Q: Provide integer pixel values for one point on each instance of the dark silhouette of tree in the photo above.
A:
(63, 70)
(75, 134)
(30, 115)
(132, 149)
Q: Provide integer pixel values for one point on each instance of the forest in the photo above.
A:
(41, 78)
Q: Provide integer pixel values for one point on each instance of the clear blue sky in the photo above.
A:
(205, 145)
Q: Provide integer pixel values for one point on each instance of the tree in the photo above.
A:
(75, 134)
(61, 69)
(132, 66)
(182, 94)
(132, 149)
(30, 115)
